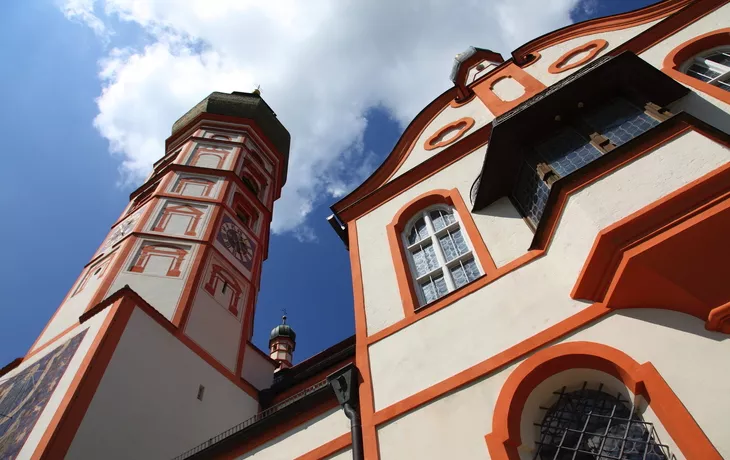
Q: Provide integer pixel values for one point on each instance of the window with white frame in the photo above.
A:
(712, 67)
(440, 256)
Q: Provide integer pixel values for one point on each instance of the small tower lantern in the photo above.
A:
(282, 342)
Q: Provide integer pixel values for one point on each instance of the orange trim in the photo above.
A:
(485, 88)
(689, 50)
(690, 12)
(641, 379)
(598, 25)
(406, 284)
(453, 296)
(416, 175)
(462, 125)
(162, 250)
(672, 128)
(300, 418)
(719, 319)
(455, 105)
(68, 416)
(182, 210)
(399, 153)
(50, 341)
(362, 357)
(685, 205)
(328, 449)
(593, 47)
(493, 364)
(531, 59)
(182, 181)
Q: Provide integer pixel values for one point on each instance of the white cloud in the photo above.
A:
(83, 11)
(322, 65)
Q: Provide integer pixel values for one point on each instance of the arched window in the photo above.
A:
(590, 424)
(439, 253)
(712, 67)
(703, 62)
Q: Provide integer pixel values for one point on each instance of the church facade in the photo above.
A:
(539, 271)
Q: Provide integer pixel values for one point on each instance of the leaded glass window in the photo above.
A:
(570, 148)
(620, 121)
(592, 424)
(440, 255)
(712, 67)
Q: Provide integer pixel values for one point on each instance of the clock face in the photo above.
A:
(121, 230)
(233, 238)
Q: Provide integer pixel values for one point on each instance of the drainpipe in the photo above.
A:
(344, 383)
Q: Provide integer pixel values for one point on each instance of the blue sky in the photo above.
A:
(61, 188)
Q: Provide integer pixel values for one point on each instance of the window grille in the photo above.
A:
(712, 67)
(439, 253)
(592, 424)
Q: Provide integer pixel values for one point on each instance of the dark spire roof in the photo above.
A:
(283, 330)
(243, 105)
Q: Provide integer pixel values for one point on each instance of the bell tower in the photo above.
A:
(194, 236)
(153, 339)
(282, 342)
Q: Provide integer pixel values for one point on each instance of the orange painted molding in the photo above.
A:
(641, 379)
(57, 438)
(592, 48)
(406, 285)
(328, 449)
(670, 129)
(531, 59)
(285, 426)
(362, 356)
(686, 51)
(416, 175)
(494, 363)
(719, 319)
(598, 25)
(454, 104)
(678, 14)
(484, 88)
(605, 256)
(462, 125)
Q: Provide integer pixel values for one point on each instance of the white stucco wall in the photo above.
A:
(454, 425)
(508, 89)
(382, 298)
(474, 109)
(214, 328)
(257, 370)
(549, 55)
(177, 223)
(92, 327)
(530, 299)
(504, 231)
(344, 455)
(450, 427)
(304, 438)
(193, 190)
(162, 292)
(146, 406)
(691, 360)
(655, 55)
(75, 305)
